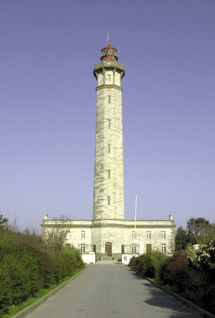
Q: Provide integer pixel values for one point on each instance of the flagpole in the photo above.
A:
(135, 213)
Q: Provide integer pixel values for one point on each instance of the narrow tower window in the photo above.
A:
(108, 174)
(109, 148)
(109, 123)
(109, 77)
(109, 99)
(108, 200)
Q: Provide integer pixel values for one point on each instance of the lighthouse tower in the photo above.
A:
(108, 201)
(108, 235)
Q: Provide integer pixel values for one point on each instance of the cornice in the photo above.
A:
(108, 86)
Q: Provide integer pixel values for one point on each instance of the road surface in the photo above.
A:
(111, 290)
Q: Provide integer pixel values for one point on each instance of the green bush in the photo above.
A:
(19, 278)
(28, 264)
(46, 263)
(149, 264)
(72, 258)
(191, 273)
(201, 276)
(133, 262)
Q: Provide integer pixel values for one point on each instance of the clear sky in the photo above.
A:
(48, 49)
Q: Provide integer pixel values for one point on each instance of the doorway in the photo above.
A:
(108, 249)
(148, 248)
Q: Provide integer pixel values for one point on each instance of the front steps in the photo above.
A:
(107, 258)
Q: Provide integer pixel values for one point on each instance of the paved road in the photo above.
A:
(111, 290)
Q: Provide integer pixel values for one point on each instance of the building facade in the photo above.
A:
(108, 234)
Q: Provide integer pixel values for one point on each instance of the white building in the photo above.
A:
(108, 234)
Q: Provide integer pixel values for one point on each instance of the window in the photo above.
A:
(109, 148)
(82, 248)
(109, 77)
(108, 200)
(108, 123)
(108, 174)
(53, 234)
(163, 234)
(122, 249)
(82, 234)
(133, 248)
(133, 234)
(68, 236)
(94, 248)
(163, 248)
(109, 99)
(148, 234)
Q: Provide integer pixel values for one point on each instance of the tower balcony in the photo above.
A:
(108, 65)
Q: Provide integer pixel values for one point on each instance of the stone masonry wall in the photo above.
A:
(108, 173)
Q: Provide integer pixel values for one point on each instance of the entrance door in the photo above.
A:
(108, 249)
(148, 248)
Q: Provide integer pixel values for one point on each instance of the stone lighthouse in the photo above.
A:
(108, 234)
(108, 203)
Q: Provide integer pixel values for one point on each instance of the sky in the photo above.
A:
(48, 49)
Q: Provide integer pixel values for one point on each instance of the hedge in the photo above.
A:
(190, 273)
(28, 264)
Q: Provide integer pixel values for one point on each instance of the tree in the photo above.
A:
(3, 221)
(55, 239)
(181, 239)
(199, 230)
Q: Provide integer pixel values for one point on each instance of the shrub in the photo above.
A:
(132, 262)
(201, 276)
(72, 258)
(46, 264)
(158, 261)
(28, 264)
(174, 272)
(19, 278)
(149, 264)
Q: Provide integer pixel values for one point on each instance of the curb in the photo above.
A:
(23, 313)
(182, 299)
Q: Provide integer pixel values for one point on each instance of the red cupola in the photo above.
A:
(109, 53)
